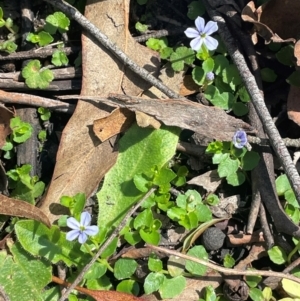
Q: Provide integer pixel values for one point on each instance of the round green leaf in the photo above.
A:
(172, 287)
(277, 255)
(124, 268)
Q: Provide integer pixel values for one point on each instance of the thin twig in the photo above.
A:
(223, 270)
(265, 227)
(103, 39)
(258, 102)
(158, 34)
(106, 243)
(36, 101)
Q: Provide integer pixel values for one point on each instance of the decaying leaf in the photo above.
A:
(5, 130)
(210, 181)
(118, 121)
(275, 21)
(13, 207)
(82, 160)
(211, 122)
(188, 86)
(226, 207)
(293, 104)
(144, 120)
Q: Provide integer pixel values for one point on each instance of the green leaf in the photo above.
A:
(212, 199)
(292, 288)
(166, 52)
(43, 38)
(243, 94)
(253, 281)
(228, 167)
(256, 294)
(154, 263)
(157, 44)
(210, 294)
(267, 293)
(194, 267)
(9, 46)
(110, 249)
(236, 179)
(140, 149)
(35, 77)
(228, 261)
(268, 75)
(180, 56)
(221, 63)
(286, 55)
(208, 65)
(96, 271)
(172, 287)
(59, 58)
(294, 79)
(21, 130)
(144, 219)
(290, 197)
(153, 282)
(141, 27)
(152, 237)
(250, 160)
(23, 277)
(128, 286)
(277, 255)
(58, 21)
(223, 100)
(195, 9)
(51, 244)
(282, 185)
(198, 75)
(124, 268)
(240, 109)
(231, 76)
(1, 13)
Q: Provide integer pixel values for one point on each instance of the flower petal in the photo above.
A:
(199, 22)
(191, 32)
(196, 43)
(73, 234)
(211, 43)
(73, 223)
(85, 219)
(91, 230)
(82, 238)
(210, 27)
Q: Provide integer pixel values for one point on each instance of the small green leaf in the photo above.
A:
(58, 21)
(256, 294)
(208, 65)
(150, 237)
(292, 288)
(157, 44)
(195, 9)
(59, 58)
(277, 255)
(267, 293)
(124, 268)
(228, 167)
(253, 281)
(236, 179)
(153, 282)
(154, 263)
(228, 261)
(221, 63)
(286, 55)
(268, 75)
(198, 75)
(128, 286)
(180, 56)
(172, 287)
(193, 267)
(96, 271)
(240, 109)
(243, 94)
(231, 76)
(282, 185)
(250, 160)
(143, 219)
(141, 27)
(294, 79)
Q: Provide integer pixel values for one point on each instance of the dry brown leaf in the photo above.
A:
(210, 181)
(210, 122)
(293, 104)
(118, 121)
(144, 120)
(82, 160)
(272, 20)
(100, 295)
(5, 130)
(188, 86)
(13, 207)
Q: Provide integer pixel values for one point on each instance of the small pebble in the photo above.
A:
(213, 239)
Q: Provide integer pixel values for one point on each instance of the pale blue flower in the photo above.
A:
(239, 139)
(210, 76)
(201, 34)
(81, 229)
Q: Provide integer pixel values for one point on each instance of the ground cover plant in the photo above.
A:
(173, 175)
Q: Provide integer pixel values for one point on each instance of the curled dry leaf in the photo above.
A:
(144, 120)
(118, 121)
(226, 207)
(13, 207)
(5, 130)
(276, 21)
(210, 181)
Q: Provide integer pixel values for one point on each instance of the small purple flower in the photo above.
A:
(210, 76)
(81, 229)
(239, 139)
(201, 34)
